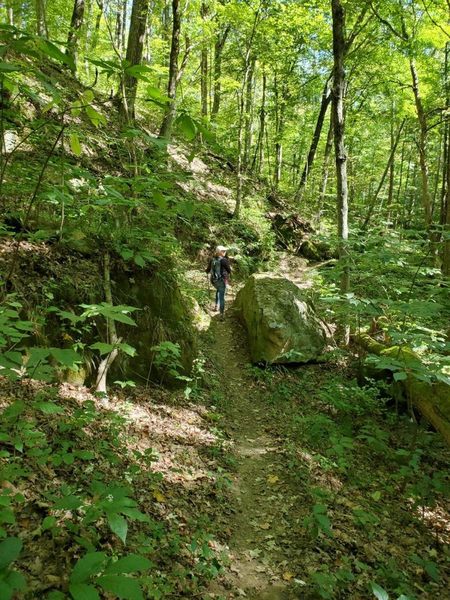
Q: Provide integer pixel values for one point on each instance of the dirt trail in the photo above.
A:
(259, 569)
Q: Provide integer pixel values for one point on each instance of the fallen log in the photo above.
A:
(432, 400)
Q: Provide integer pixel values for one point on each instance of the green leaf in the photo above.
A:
(49, 408)
(90, 564)
(129, 564)
(379, 592)
(121, 586)
(48, 523)
(400, 376)
(68, 503)
(94, 116)
(75, 144)
(83, 591)
(102, 347)
(9, 551)
(155, 95)
(54, 52)
(187, 126)
(127, 349)
(6, 591)
(118, 525)
(9, 67)
(66, 356)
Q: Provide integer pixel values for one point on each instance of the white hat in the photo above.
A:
(221, 249)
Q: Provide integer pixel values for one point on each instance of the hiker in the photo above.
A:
(220, 271)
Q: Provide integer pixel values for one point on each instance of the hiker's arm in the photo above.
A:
(226, 265)
(208, 268)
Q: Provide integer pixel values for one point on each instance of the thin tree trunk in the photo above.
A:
(76, 23)
(445, 204)
(258, 156)
(280, 106)
(218, 50)
(338, 100)
(166, 125)
(98, 20)
(112, 338)
(248, 114)
(135, 48)
(41, 18)
(326, 98)
(119, 30)
(325, 170)
(390, 197)
(423, 137)
(204, 67)
(400, 183)
(383, 178)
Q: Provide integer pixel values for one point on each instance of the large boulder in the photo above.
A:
(281, 324)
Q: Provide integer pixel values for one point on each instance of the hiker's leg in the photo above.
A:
(221, 292)
(217, 300)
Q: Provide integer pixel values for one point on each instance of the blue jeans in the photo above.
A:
(220, 295)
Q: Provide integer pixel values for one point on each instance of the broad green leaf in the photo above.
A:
(118, 525)
(48, 523)
(121, 586)
(66, 356)
(187, 126)
(9, 551)
(54, 52)
(157, 96)
(379, 592)
(89, 565)
(102, 347)
(9, 67)
(83, 591)
(49, 408)
(75, 144)
(127, 349)
(400, 376)
(95, 117)
(6, 591)
(68, 503)
(129, 564)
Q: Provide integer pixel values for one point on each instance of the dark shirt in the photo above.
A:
(225, 269)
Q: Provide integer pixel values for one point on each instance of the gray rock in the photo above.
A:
(281, 324)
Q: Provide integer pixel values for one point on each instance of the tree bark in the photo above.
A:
(423, 138)
(76, 23)
(258, 157)
(204, 67)
(326, 99)
(445, 203)
(338, 103)
(135, 48)
(166, 125)
(248, 115)
(325, 169)
(98, 20)
(112, 338)
(41, 18)
(218, 50)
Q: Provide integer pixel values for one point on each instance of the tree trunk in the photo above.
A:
(325, 170)
(338, 99)
(166, 125)
(280, 105)
(135, 48)
(258, 157)
(423, 135)
(76, 23)
(41, 18)
(112, 338)
(326, 98)
(204, 67)
(385, 172)
(390, 197)
(445, 203)
(98, 20)
(248, 114)
(218, 50)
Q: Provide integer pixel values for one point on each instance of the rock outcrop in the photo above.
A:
(281, 324)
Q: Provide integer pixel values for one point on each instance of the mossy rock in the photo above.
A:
(281, 324)
(164, 315)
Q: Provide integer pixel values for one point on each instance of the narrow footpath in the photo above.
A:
(259, 502)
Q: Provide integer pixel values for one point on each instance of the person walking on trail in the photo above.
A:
(219, 271)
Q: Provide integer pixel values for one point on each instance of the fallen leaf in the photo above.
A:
(287, 576)
(158, 496)
(272, 479)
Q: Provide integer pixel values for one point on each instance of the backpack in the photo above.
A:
(216, 270)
